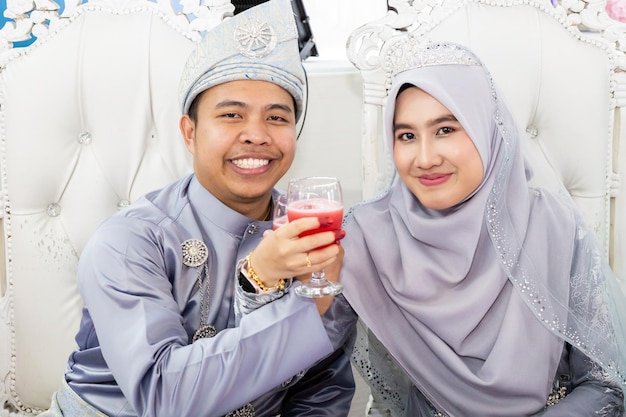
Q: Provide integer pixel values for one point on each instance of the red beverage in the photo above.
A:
(279, 222)
(316, 197)
(329, 213)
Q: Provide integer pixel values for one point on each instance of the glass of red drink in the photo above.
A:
(280, 211)
(319, 197)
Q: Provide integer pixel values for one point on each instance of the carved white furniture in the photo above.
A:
(89, 122)
(561, 68)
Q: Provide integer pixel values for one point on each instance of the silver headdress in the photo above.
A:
(260, 43)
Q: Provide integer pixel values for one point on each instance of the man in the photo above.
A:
(188, 310)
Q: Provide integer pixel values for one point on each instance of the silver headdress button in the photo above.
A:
(255, 39)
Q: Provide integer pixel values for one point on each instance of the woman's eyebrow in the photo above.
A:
(441, 119)
(429, 122)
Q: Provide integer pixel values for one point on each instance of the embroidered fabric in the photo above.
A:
(245, 411)
(388, 383)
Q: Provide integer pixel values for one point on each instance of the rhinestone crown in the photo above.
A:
(408, 54)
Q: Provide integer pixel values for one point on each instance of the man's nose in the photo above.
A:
(255, 131)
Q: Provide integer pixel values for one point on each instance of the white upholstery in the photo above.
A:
(89, 122)
(110, 68)
(565, 86)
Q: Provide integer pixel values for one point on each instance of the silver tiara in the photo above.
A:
(408, 54)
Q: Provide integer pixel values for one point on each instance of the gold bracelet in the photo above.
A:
(253, 275)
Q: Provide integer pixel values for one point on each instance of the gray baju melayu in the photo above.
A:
(135, 353)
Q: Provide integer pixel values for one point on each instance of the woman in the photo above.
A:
(490, 296)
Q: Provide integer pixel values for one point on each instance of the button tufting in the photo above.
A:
(532, 132)
(84, 138)
(123, 204)
(614, 184)
(53, 210)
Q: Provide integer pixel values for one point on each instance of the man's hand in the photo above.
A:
(283, 254)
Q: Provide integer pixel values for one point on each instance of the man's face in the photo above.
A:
(243, 142)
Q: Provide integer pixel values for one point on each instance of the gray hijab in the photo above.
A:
(474, 302)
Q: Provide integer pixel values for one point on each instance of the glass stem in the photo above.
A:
(317, 277)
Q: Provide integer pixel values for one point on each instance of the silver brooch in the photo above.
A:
(195, 252)
(205, 331)
(255, 39)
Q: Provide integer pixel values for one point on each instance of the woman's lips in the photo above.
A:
(433, 179)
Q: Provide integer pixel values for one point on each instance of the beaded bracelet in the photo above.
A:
(253, 275)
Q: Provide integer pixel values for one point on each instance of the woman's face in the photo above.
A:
(433, 154)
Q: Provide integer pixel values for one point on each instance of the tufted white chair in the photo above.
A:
(561, 68)
(88, 123)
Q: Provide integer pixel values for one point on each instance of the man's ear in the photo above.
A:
(188, 130)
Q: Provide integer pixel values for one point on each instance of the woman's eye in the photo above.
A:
(445, 131)
(406, 136)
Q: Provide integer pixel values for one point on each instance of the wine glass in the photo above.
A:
(319, 197)
(280, 211)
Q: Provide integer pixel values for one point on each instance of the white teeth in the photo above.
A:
(249, 163)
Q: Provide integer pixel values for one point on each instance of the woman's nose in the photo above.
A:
(427, 155)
